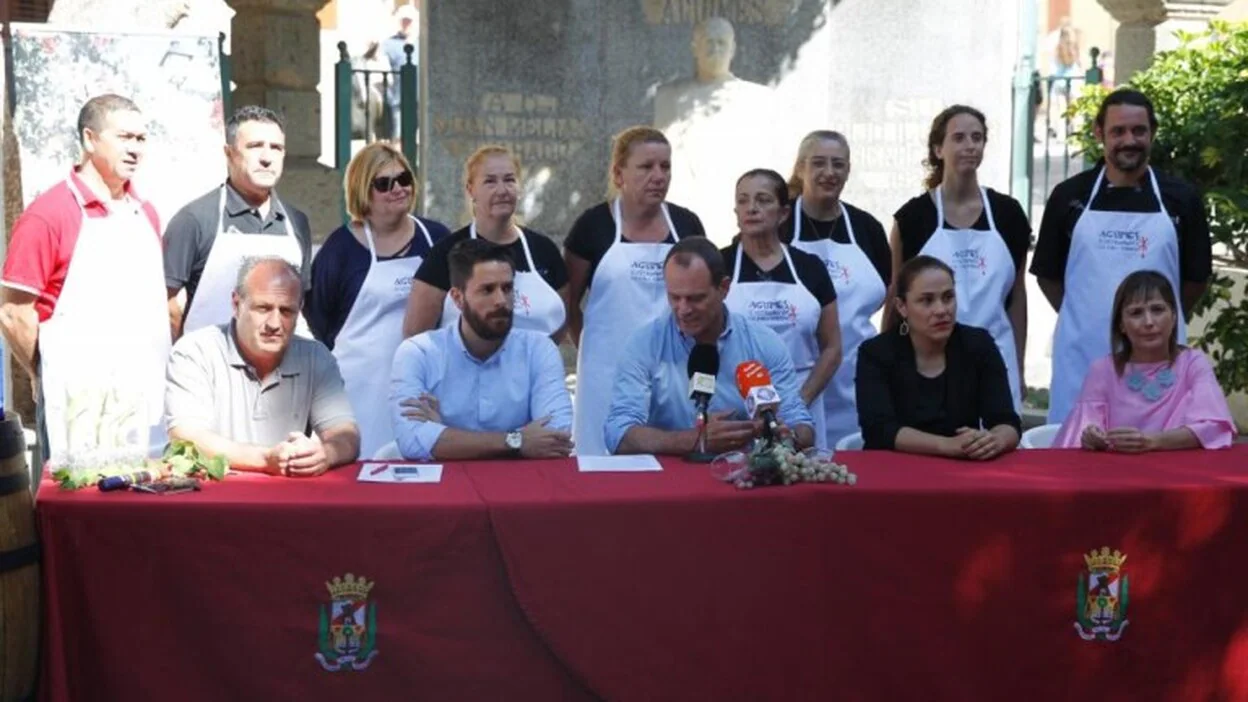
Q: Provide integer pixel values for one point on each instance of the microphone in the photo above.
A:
(703, 366)
(761, 398)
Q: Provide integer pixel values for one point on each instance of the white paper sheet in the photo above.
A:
(375, 472)
(618, 464)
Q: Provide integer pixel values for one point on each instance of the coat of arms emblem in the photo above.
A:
(1102, 596)
(348, 630)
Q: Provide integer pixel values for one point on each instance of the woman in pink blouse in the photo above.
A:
(1150, 394)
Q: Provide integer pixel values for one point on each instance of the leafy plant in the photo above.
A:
(181, 458)
(1200, 93)
(184, 458)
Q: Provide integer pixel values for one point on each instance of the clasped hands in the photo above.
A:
(1122, 439)
(299, 456)
(976, 444)
(537, 440)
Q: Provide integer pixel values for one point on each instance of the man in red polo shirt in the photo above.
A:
(83, 295)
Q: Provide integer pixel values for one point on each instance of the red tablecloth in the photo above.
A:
(929, 580)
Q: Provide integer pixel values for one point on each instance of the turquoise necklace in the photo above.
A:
(1152, 389)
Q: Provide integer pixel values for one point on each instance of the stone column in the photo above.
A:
(1148, 26)
(275, 49)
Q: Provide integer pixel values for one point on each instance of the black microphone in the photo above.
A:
(702, 367)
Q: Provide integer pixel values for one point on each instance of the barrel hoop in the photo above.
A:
(17, 482)
(19, 557)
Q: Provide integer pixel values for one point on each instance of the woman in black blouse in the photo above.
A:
(983, 235)
(929, 384)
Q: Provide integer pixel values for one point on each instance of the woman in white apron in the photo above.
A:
(956, 223)
(616, 250)
(492, 181)
(778, 296)
(102, 353)
(362, 320)
(213, 301)
(819, 176)
(1093, 273)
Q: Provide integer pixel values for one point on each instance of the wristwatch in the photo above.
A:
(514, 439)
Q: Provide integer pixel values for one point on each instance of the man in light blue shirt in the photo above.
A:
(479, 389)
(650, 407)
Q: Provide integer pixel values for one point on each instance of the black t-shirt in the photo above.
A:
(868, 233)
(189, 236)
(1069, 198)
(810, 270)
(435, 270)
(916, 222)
(594, 232)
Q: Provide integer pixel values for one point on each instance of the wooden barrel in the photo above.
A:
(19, 569)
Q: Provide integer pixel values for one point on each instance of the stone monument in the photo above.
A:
(719, 126)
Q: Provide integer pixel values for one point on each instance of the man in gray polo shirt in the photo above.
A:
(248, 389)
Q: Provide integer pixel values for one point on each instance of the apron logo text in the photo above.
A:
(648, 272)
(1123, 241)
(970, 259)
(772, 311)
(837, 272)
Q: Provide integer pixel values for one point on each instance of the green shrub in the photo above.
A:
(1200, 92)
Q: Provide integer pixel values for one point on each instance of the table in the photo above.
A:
(931, 579)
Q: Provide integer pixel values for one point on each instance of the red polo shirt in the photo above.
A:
(44, 237)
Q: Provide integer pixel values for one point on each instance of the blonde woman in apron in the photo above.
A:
(492, 181)
(856, 256)
(357, 310)
(787, 290)
(615, 251)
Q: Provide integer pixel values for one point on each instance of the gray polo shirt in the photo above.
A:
(211, 387)
(189, 236)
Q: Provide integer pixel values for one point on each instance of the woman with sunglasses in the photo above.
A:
(361, 279)
(492, 183)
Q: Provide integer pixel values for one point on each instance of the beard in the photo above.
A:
(488, 327)
(1129, 159)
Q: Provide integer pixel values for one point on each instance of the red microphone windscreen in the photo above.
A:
(751, 374)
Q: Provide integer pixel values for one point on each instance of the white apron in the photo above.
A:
(538, 306)
(213, 301)
(983, 277)
(1105, 247)
(792, 312)
(627, 291)
(860, 291)
(102, 353)
(369, 337)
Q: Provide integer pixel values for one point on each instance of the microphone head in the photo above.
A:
(751, 374)
(704, 358)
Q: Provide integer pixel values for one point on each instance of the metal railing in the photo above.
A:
(365, 94)
(1048, 98)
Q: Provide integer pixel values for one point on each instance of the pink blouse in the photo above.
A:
(1149, 399)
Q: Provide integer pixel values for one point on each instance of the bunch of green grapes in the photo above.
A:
(782, 464)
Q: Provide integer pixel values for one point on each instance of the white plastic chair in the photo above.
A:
(853, 442)
(388, 452)
(1040, 437)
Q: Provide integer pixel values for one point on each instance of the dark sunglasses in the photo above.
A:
(384, 184)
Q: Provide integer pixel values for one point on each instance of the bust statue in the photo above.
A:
(719, 127)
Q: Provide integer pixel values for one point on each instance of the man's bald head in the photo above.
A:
(263, 272)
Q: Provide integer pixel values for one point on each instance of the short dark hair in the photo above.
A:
(1127, 96)
(699, 247)
(96, 110)
(251, 113)
(464, 257)
(779, 187)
